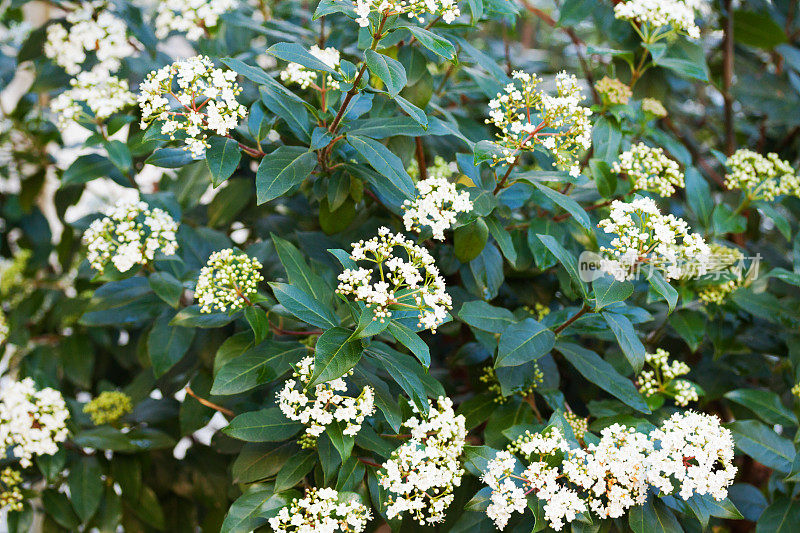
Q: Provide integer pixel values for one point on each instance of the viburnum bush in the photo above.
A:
(351, 265)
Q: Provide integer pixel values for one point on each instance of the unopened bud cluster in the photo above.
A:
(10, 493)
(761, 177)
(649, 169)
(227, 282)
(662, 378)
(130, 234)
(489, 376)
(613, 91)
(108, 407)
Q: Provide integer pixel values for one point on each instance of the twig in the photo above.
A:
(727, 78)
(211, 405)
(582, 311)
(423, 168)
(369, 463)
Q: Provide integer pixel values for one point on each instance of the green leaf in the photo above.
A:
(411, 340)
(764, 445)
(260, 364)
(109, 438)
(343, 443)
(265, 425)
(85, 486)
(303, 306)
(690, 325)
(298, 271)
(602, 374)
(470, 239)
(662, 287)
(483, 316)
(436, 44)
(289, 107)
(85, 168)
(653, 517)
(726, 220)
(627, 338)
(281, 170)
(254, 74)
(606, 139)
(335, 353)
(503, 239)
(568, 204)
(698, 195)
(57, 506)
(765, 404)
(780, 517)
(389, 70)
(757, 29)
(167, 287)
(566, 259)
(170, 158)
(250, 510)
(350, 474)
(608, 290)
(258, 321)
(294, 53)
(119, 154)
(192, 317)
(259, 461)
(222, 158)
(523, 342)
(167, 344)
(295, 470)
(384, 162)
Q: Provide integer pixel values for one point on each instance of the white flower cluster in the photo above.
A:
(437, 203)
(412, 284)
(322, 510)
(92, 28)
(662, 378)
(227, 281)
(130, 234)
(649, 169)
(726, 263)
(415, 9)
(32, 422)
(306, 77)
(761, 178)
(613, 475)
(192, 17)
(527, 116)
(422, 473)
(613, 91)
(103, 93)
(207, 98)
(324, 404)
(644, 236)
(654, 107)
(655, 14)
(695, 451)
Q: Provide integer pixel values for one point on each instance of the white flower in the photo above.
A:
(92, 28)
(654, 14)
(305, 77)
(760, 177)
(191, 17)
(130, 234)
(32, 422)
(649, 169)
(646, 237)
(437, 203)
(415, 9)
(206, 98)
(694, 450)
(414, 282)
(227, 281)
(103, 94)
(321, 510)
(527, 116)
(323, 404)
(421, 475)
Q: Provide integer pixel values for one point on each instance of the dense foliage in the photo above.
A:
(356, 265)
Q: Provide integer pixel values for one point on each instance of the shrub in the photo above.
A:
(356, 265)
